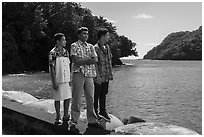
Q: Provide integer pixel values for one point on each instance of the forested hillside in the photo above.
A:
(28, 29)
(179, 46)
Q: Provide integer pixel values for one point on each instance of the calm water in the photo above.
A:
(158, 91)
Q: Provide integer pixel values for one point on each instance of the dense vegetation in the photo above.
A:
(179, 46)
(28, 29)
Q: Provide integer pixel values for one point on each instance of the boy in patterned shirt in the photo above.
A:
(83, 57)
(60, 76)
(104, 73)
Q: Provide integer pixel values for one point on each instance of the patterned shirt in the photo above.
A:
(83, 50)
(59, 60)
(104, 63)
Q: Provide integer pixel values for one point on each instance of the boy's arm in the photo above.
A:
(52, 74)
(83, 61)
(71, 75)
(52, 69)
(53, 78)
(98, 77)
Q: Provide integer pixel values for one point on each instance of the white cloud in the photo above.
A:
(143, 16)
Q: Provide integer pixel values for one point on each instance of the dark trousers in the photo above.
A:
(100, 93)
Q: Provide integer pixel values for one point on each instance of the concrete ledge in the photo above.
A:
(26, 122)
(21, 119)
(18, 119)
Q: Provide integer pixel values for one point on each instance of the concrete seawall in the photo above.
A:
(20, 120)
(21, 116)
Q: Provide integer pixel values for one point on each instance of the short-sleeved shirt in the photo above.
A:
(59, 60)
(104, 63)
(83, 50)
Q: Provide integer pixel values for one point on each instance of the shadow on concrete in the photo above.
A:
(21, 120)
(96, 131)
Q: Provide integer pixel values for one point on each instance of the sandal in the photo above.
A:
(58, 122)
(65, 119)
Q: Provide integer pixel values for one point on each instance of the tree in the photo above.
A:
(28, 29)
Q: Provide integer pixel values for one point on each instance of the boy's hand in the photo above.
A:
(70, 83)
(98, 80)
(55, 86)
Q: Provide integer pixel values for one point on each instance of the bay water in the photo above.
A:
(158, 91)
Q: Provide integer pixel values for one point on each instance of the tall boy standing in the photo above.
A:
(104, 73)
(84, 57)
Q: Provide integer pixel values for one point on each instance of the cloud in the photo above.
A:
(143, 16)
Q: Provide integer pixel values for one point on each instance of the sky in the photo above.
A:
(148, 23)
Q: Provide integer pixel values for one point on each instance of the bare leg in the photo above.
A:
(66, 108)
(57, 109)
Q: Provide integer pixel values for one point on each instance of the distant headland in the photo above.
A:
(182, 45)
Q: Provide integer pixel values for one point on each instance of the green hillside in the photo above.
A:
(179, 46)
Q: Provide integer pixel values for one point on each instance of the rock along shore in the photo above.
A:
(23, 114)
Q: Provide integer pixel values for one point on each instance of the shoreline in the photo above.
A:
(35, 120)
(39, 85)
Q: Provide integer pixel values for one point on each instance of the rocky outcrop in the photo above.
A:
(145, 128)
(131, 120)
